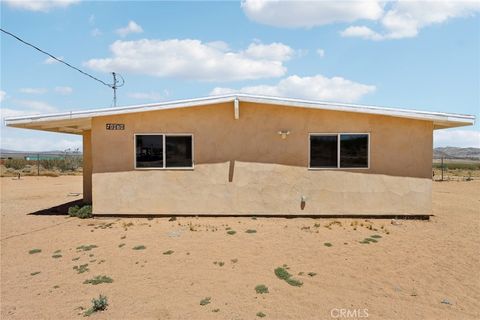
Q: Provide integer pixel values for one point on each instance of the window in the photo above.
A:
(354, 151)
(163, 151)
(343, 150)
(323, 151)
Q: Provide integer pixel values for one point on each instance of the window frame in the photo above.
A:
(164, 136)
(338, 134)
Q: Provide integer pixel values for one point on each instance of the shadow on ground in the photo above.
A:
(60, 210)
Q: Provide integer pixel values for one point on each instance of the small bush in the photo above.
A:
(99, 304)
(56, 256)
(376, 236)
(168, 252)
(283, 274)
(205, 301)
(140, 247)
(34, 273)
(87, 247)
(312, 274)
(98, 280)
(121, 245)
(327, 244)
(261, 314)
(231, 232)
(16, 164)
(261, 288)
(84, 212)
(33, 251)
(251, 231)
(81, 268)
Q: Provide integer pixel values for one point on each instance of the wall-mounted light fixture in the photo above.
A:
(284, 133)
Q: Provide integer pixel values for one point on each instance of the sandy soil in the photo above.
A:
(405, 275)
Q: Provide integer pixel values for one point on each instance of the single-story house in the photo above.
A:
(253, 155)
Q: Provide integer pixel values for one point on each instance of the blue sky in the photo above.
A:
(401, 54)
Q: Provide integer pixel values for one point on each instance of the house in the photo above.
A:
(254, 155)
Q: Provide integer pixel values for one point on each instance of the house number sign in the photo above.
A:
(115, 126)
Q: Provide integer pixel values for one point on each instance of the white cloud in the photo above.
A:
(50, 60)
(40, 5)
(314, 88)
(456, 138)
(33, 90)
(192, 59)
(153, 96)
(361, 32)
(405, 19)
(397, 19)
(3, 94)
(294, 14)
(273, 51)
(132, 27)
(63, 90)
(321, 53)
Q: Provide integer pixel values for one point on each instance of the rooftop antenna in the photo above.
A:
(117, 83)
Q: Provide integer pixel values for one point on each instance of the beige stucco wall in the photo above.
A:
(87, 166)
(270, 174)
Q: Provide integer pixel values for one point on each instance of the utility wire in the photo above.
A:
(112, 86)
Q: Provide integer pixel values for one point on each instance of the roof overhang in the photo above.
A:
(75, 122)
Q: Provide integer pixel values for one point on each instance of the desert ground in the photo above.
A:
(415, 270)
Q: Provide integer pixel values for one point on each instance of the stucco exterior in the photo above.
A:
(242, 166)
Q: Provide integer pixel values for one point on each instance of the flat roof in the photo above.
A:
(75, 122)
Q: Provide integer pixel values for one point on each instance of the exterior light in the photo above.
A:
(284, 133)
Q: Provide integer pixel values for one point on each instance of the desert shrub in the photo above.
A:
(261, 314)
(99, 304)
(35, 273)
(87, 247)
(81, 268)
(80, 212)
(327, 244)
(33, 251)
(140, 247)
(231, 232)
(205, 301)
(251, 231)
(98, 280)
(261, 288)
(283, 274)
(16, 164)
(168, 252)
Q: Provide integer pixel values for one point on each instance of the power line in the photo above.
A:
(113, 86)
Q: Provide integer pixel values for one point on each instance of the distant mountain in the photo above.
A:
(7, 151)
(456, 153)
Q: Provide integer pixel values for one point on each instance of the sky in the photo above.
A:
(409, 54)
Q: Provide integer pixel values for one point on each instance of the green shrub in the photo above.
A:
(283, 274)
(86, 247)
(140, 247)
(80, 212)
(261, 314)
(251, 231)
(16, 164)
(99, 304)
(205, 301)
(261, 288)
(34, 273)
(81, 268)
(231, 232)
(33, 251)
(168, 252)
(98, 280)
(327, 244)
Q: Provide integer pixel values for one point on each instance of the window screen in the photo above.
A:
(149, 151)
(323, 151)
(353, 151)
(179, 151)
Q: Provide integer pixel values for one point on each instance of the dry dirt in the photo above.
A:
(405, 275)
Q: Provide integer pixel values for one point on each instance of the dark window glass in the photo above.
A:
(149, 153)
(179, 151)
(353, 151)
(323, 151)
